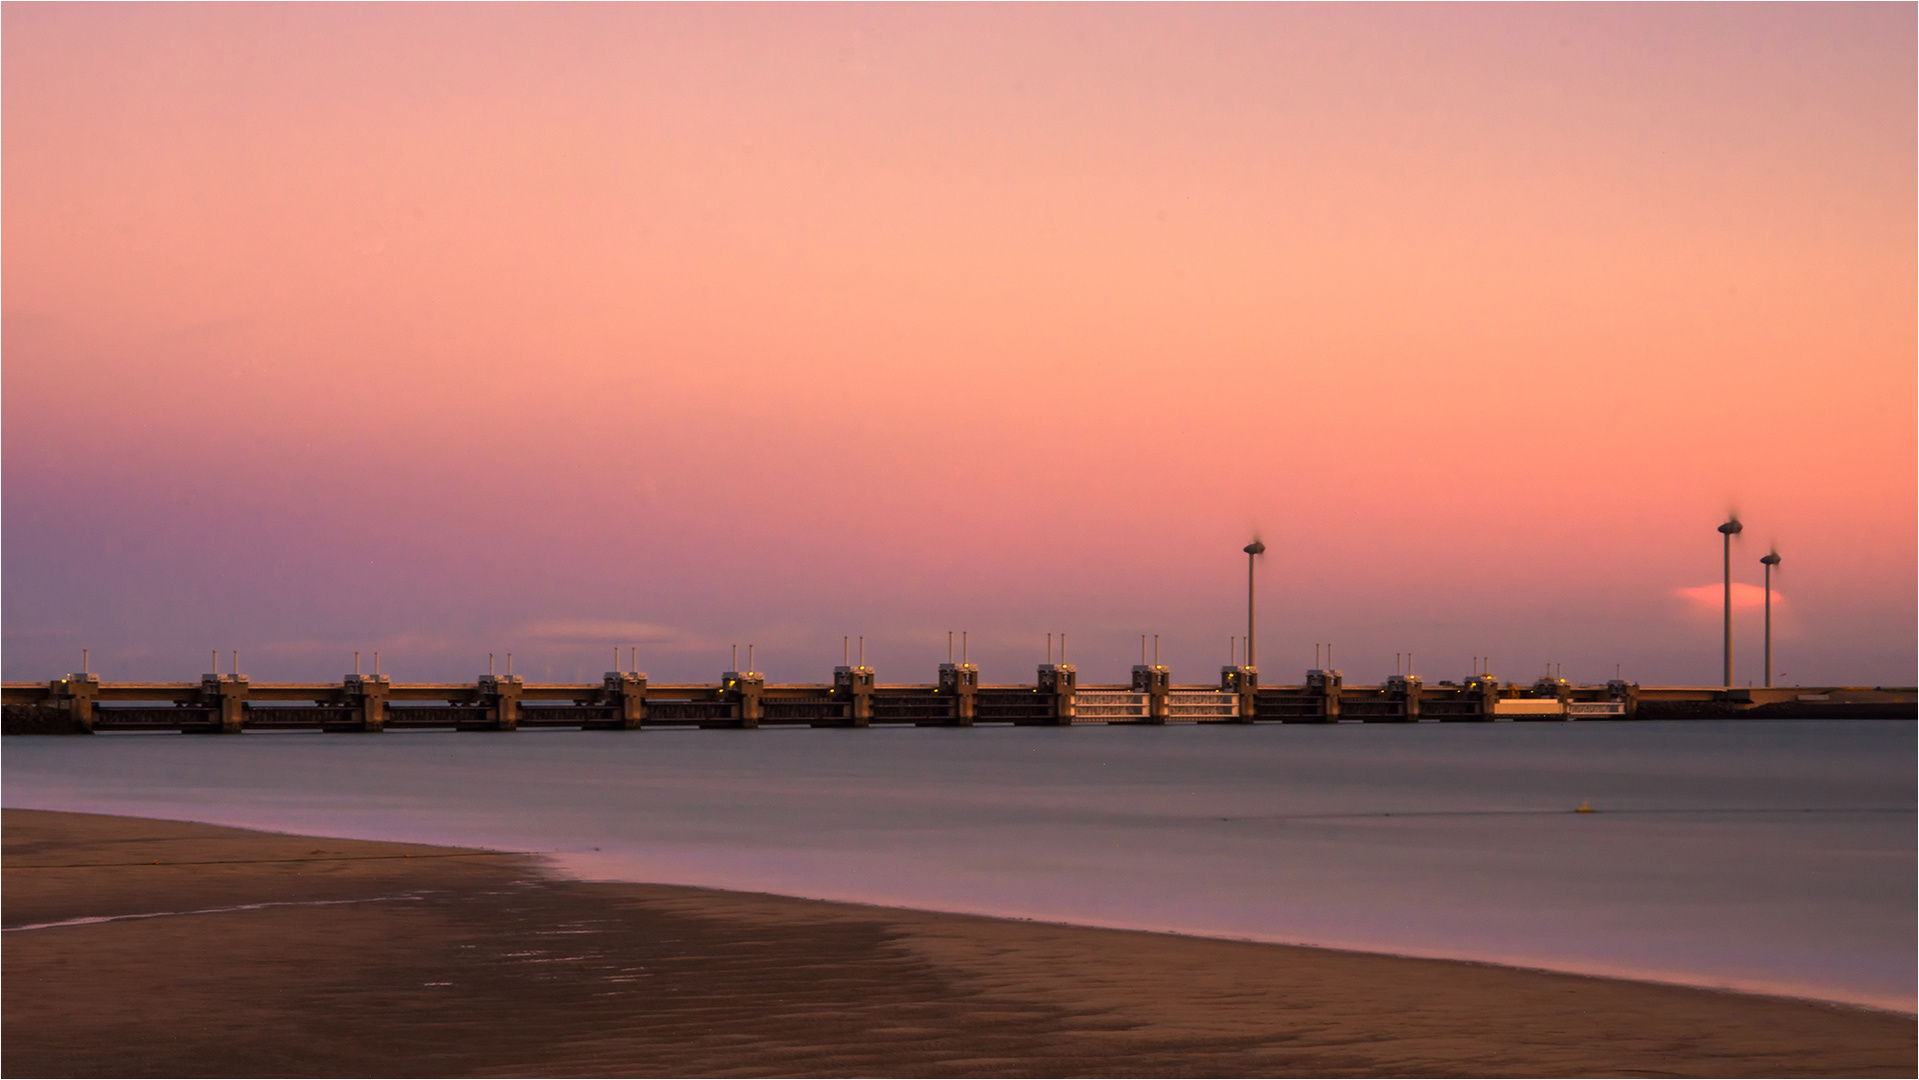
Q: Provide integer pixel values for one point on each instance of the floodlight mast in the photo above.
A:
(1730, 529)
(1769, 561)
(1253, 551)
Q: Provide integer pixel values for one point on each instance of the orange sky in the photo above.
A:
(447, 330)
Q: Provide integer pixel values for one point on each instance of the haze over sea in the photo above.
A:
(1776, 857)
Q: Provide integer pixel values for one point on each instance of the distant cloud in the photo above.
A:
(624, 632)
(1710, 597)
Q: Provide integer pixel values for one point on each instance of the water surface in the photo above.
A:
(1769, 856)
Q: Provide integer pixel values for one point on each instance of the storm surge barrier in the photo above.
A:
(626, 700)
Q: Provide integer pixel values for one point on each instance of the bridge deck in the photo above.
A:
(80, 703)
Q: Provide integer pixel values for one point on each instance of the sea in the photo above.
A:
(1775, 857)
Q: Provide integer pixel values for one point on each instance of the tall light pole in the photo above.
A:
(1728, 531)
(1771, 560)
(1253, 551)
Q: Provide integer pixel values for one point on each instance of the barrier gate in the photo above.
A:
(1111, 706)
(1200, 705)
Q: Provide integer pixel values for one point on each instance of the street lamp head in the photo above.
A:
(1771, 560)
(1731, 527)
(1255, 548)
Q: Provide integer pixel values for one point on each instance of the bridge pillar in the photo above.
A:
(76, 694)
(1244, 682)
(1060, 684)
(1155, 681)
(226, 696)
(627, 691)
(500, 695)
(1558, 689)
(961, 682)
(1627, 692)
(743, 689)
(855, 684)
(1404, 689)
(1326, 685)
(367, 694)
(1485, 689)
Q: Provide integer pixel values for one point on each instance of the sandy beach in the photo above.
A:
(201, 950)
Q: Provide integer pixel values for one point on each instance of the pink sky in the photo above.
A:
(447, 330)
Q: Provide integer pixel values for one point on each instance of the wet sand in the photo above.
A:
(288, 955)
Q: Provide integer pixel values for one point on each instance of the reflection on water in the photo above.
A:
(1775, 856)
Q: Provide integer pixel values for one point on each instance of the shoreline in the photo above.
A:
(1349, 950)
(292, 955)
(1747, 989)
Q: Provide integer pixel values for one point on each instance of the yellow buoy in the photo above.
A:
(1584, 807)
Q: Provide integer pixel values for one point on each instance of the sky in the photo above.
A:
(545, 329)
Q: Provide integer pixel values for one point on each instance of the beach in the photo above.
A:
(214, 951)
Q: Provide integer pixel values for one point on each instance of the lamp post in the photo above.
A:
(1771, 560)
(1253, 551)
(1728, 531)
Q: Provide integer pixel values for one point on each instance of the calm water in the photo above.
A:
(1772, 856)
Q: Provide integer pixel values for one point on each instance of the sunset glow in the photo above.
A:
(548, 329)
